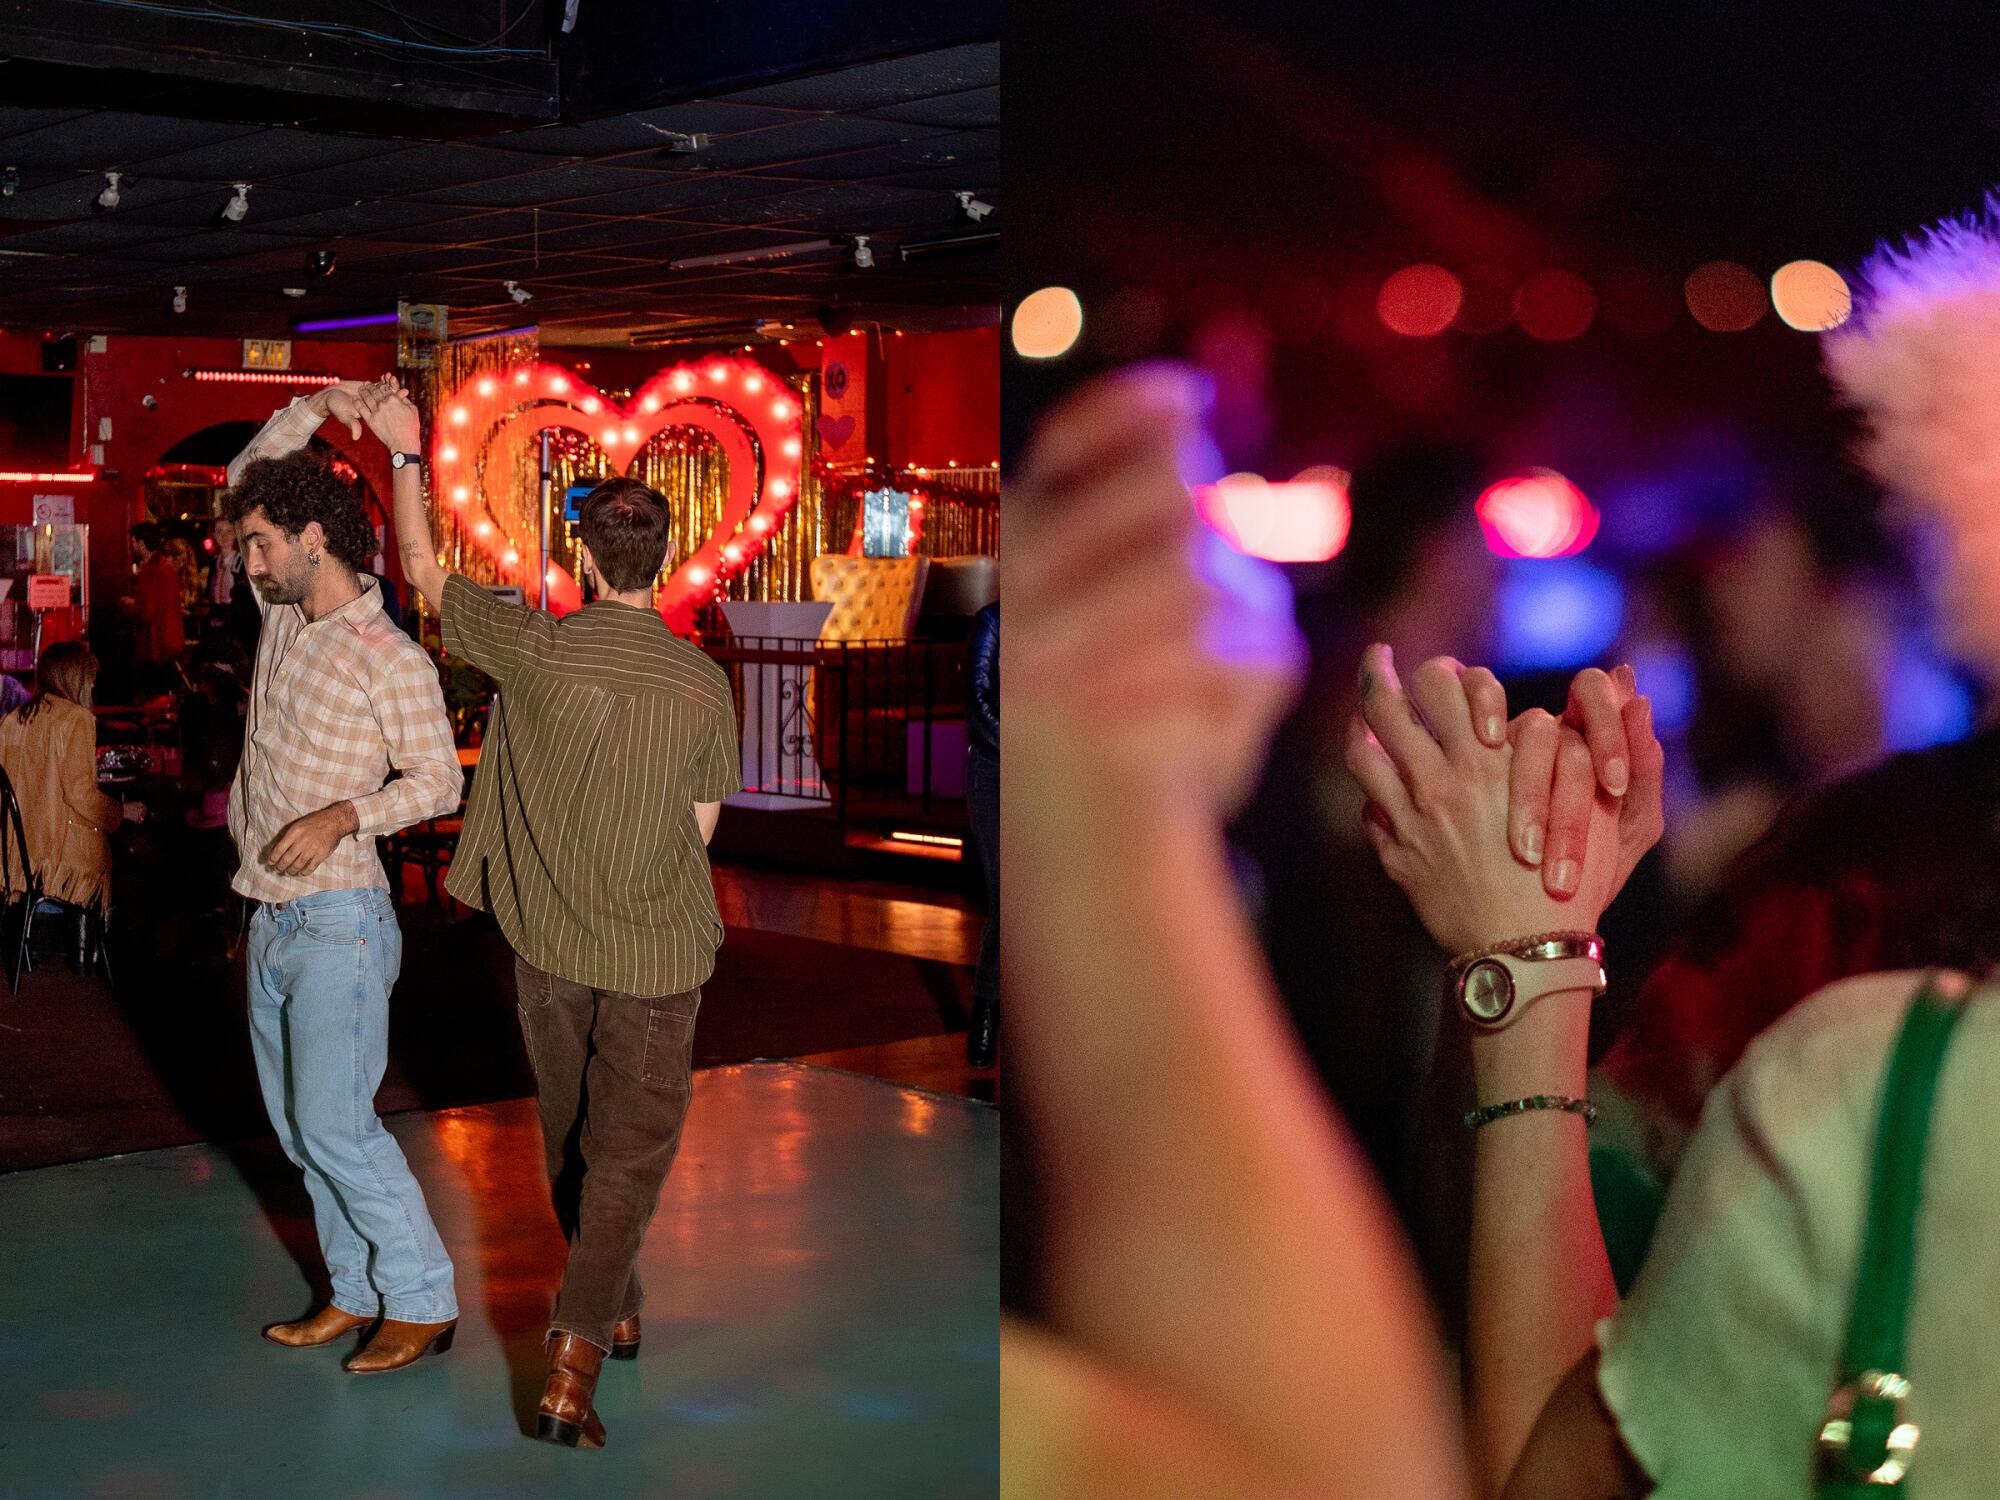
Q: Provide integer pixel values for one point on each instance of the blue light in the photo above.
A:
(1557, 614)
(321, 325)
(1666, 674)
(1926, 703)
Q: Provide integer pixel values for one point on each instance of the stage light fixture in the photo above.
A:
(238, 206)
(864, 257)
(10, 182)
(180, 299)
(973, 208)
(108, 199)
(518, 292)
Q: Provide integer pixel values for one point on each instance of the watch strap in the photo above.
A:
(1528, 980)
(409, 460)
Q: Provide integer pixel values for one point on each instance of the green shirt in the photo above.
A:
(581, 837)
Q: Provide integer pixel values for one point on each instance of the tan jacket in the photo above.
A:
(52, 762)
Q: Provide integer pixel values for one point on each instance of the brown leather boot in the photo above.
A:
(397, 1344)
(625, 1338)
(322, 1327)
(566, 1415)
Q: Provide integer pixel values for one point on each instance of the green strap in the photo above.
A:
(1877, 1325)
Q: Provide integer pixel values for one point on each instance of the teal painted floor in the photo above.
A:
(822, 1316)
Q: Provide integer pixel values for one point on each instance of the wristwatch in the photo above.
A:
(405, 460)
(1493, 985)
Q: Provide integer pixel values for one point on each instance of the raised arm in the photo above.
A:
(393, 418)
(1539, 1278)
(1216, 1248)
(291, 427)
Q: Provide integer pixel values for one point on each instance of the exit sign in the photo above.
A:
(267, 354)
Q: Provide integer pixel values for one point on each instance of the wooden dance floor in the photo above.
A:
(822, 1315)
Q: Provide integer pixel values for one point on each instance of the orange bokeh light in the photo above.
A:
(1811, 296)
(1048, 323)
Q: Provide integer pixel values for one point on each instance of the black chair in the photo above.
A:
(91, 920)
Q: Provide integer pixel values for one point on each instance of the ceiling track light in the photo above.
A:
(180, 299)
(912, 249)
(10, 181)
(864, 257)
(238, 206)
(108, 199)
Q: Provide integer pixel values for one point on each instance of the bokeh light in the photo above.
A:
(1555, 306)
(1305, 520)
(1048, 323)
(1725, 297)
(1419, 301)
(1556, 616)
(1810, 296)
(1538, 514)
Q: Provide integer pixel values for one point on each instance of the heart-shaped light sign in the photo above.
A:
(757, 421)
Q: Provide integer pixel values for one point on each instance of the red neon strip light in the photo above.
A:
(264, 377)
(22, 478)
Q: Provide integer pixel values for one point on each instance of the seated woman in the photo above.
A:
(48, 749)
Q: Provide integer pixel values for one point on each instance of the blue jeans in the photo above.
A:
(320, 971)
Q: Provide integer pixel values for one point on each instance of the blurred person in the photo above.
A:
(1750, 1357)
(156, 604)
(619, 742)
(1895, 867)
(1225, 1305)
(345, 739)
(48, 748)
(232, 603)
(982, 803)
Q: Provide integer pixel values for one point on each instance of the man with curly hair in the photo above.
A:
(346, 740)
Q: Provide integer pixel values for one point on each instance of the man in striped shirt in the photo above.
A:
(599, 785)
(346, 739)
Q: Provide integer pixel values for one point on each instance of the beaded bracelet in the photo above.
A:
(1487, 1114)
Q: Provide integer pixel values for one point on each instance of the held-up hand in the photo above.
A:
(342, 402)
(1135, 638)
(303, 844)
(1439, 813)
(392, 416)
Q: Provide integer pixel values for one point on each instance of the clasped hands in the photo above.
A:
(379, 405)
(1498, 829)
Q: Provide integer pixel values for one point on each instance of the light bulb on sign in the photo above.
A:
(458, 415)
(631, 434)
(510, 557)
(791, 448)
(484, 528)
(521, 378)
(460, 495)
(753, 383)
(718, 372)
(486, 387)
(760, 523)
(558, 384)
(651, 403)
(448, 454)
(590, 404)
(683, 381)
(782, 411)
(610, 436)
(780, 488)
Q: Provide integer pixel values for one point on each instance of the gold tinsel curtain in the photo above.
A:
(512, 511)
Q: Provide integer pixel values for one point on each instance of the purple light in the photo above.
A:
(323, 324)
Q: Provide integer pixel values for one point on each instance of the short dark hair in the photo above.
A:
(296, 491)
(624, 524)
(148, 535)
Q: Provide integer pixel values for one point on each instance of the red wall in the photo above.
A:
(937, 398)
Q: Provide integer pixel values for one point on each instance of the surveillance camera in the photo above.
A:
(151, 403)
(518, 292)
(974, 209)
(10, 182)
(321, 262)
(108, 199)
(180, 299)
(238, 206)
(863, 256)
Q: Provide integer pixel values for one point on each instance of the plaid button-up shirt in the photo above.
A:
(335, 706)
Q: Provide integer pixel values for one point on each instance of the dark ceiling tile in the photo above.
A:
(799, 140)
(408, 170)
(107, 140)
(551, 185)
(267, 156)
(875, 85)
(835, 207)
(975, 109)
(958, 147)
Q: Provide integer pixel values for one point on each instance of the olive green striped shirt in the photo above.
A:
(581, 837)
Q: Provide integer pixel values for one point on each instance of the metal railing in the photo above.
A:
(858, 726)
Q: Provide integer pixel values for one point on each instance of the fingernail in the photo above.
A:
(1614, 776)
(1564, 875)
(1494, 729)
(1626, 678)
(1531, 843)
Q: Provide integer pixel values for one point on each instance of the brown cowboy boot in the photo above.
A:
(625, 1338)
(566, 1415)
(322, 1327)
(397, 1343)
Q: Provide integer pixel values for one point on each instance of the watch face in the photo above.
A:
(1487, 990)
(399, 460)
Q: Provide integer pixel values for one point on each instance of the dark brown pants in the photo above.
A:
(612, 1078)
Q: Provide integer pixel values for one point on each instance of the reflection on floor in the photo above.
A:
(895, 918)
(936, 1063)
(822, 1316)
